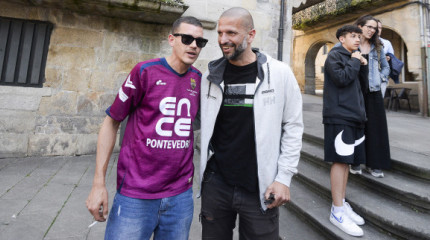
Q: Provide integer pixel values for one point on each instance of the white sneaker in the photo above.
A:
(355, 169)
(376, 172)
(357, 219)
(344, 223)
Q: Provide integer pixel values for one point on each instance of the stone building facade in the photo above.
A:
(402, 25)
(92, 48)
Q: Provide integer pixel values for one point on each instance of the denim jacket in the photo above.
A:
(376, 76)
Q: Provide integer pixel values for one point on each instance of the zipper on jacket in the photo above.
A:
(222, 100)
(210, 140)
(208, 95)
(255, 137)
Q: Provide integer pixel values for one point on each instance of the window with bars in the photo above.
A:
(23, 51)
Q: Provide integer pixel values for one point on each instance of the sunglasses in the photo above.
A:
(188, 39)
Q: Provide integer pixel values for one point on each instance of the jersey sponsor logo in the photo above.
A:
(193, 83)
(122, 96)
(167, 144)
(192, 92)
(193, 86)
(169, 107)
(129, 83)
(344, 149)
(160, 82)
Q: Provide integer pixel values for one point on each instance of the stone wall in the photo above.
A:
(266, 21)
(88, 59)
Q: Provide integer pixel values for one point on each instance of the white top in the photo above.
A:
(388, 48)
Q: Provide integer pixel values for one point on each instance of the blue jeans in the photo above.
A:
(167, 218)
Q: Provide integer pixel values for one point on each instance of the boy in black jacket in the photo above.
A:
(343, 117)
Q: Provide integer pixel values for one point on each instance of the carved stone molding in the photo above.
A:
(152, 11)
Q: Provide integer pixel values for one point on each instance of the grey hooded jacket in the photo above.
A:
(278, 119)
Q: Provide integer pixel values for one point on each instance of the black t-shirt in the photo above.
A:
(233, 140)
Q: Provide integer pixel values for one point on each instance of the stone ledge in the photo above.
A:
(151, 11)
(22, 98)
(304, 4)
(328, 12)
(30, 91)
(208, 24)
(13, 145)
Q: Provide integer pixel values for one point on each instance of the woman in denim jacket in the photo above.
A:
(376, 130)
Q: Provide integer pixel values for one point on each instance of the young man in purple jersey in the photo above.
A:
(155, 168)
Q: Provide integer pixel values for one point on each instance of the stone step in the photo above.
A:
(408, 162)
(378, 209)
(294, 225)
(411, 190)
(316, 209)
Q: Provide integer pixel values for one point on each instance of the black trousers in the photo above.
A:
(221, 203)
(376, 131)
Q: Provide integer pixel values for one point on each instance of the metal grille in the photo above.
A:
(23, 51)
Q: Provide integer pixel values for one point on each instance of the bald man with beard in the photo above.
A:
(251, 131)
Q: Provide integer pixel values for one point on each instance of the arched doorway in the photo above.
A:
(400, 51)
(314, 63)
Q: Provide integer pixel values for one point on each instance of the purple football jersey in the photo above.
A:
(156, 157)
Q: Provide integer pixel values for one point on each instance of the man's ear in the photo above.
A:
(171, 40)
(251, 35)
(342, 39)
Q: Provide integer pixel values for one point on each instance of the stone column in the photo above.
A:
(289, 35)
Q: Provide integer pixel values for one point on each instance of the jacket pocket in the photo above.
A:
(349, 101)
(207, 176)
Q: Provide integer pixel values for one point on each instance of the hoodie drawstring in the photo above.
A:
(209, 90)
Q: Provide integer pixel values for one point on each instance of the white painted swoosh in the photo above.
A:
(344, 149)
(359, 141)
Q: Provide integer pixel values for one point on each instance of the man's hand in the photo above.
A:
(280, 192)
(356, 54)
(97, 203)
(363, 60)
(388, 58)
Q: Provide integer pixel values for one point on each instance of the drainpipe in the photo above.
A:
(427, 48)
(425, 54)
(281, 31)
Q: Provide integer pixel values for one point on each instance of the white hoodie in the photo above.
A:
(277, 114)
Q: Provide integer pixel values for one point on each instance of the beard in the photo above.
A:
(238, 50)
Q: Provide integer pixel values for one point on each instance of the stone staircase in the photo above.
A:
(394, 207)
(319, 84)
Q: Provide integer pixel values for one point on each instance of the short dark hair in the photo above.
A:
(189, 20)
(341, 32)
